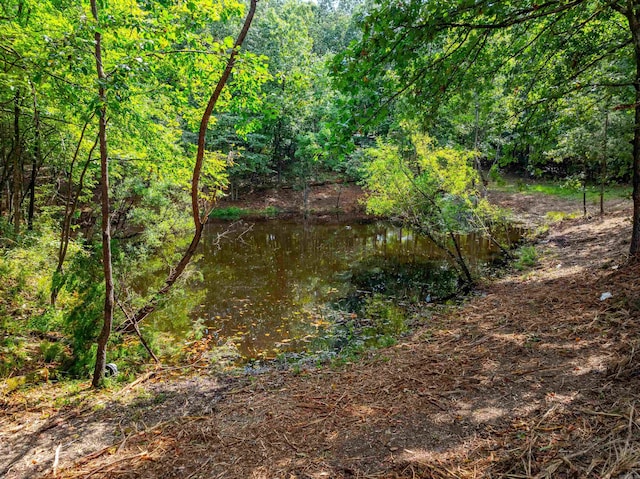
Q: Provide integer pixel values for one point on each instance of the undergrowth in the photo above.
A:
(526, 258)
(567, 189)
(233, 213)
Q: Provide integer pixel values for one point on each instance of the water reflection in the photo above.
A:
(269, 287)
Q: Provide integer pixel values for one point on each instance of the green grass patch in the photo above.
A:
(229, 213)
(270, 212)
(233, 213)
(567, 189)
(557, 216)
(526, 258)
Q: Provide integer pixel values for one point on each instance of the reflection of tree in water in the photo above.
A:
(403, 279)
(268, 286)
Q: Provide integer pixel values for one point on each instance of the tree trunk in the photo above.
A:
(634, 249)
(71, 205)
(4, 157)
(199, 219)
(17, 167)
(36, 160)
(131, 324)
(101, 354)
(603, 165)
(584, 187)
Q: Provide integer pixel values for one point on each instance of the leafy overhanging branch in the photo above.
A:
(199, 218)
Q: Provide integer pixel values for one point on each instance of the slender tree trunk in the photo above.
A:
(72, 198)
(460, 258)
(4, 156)
(603, 165)
(199, 219)
(634, 24)
(275, 157)
(69, 210)
(36, 160)
(17, 167)
(584, 187)
(101, 354)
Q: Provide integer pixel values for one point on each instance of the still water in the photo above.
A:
(275, 286)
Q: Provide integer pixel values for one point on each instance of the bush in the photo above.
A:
(496, 176)
(52, 352)
(527, 257)
(229, 213)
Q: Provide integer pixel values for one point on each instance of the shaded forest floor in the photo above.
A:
(533, 376)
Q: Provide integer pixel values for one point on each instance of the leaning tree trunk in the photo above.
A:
(101, 354)
(71, 204)
(198, 218)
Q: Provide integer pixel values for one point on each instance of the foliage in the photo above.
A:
(82, 319)
(495, 176)
(569, 188)
(51, 352)
(159, 60)
(527, 257)
(25, 269)
(543, 88)
(557, 216)
(427, 187)
(294, 134)
(585, 123)
(228, 213)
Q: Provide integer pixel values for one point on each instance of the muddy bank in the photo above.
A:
(326, 203)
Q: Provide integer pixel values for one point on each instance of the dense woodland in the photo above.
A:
(122, 122)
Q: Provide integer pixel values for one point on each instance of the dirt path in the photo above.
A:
(534, 376)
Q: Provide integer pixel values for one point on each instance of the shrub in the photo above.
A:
(527, 257)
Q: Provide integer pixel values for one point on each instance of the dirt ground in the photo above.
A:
(326, 202)
(534, 376)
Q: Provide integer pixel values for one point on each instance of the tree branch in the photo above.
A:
(199, 221)
(522, 16)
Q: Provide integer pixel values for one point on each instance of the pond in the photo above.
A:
(278, 286)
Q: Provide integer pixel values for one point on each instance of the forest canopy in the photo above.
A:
(545, 82)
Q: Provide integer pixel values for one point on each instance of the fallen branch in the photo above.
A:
(56, 459)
